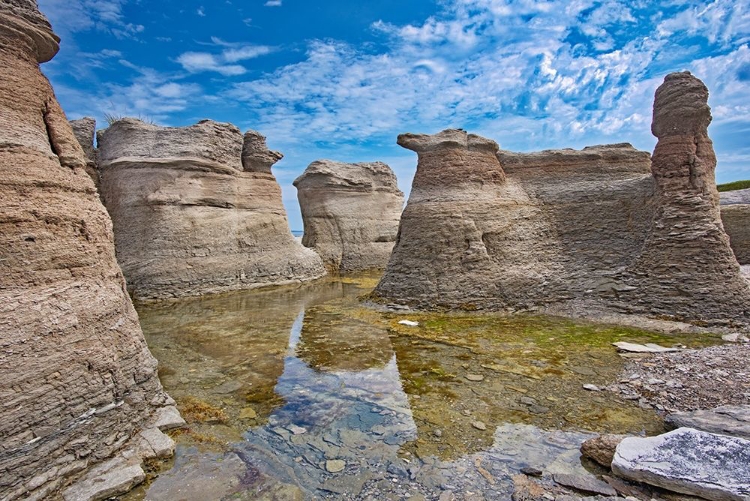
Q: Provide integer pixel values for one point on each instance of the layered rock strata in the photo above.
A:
(350, 212)
(196, 210)
(604, 229)
(735, 215)
(84, 130)
(77, 381)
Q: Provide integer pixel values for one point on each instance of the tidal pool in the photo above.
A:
(304, 393)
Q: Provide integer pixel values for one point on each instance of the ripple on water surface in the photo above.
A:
(303, 393)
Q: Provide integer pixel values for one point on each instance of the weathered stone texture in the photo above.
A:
(350, 212)
(546, 233)
(195, 211)
(688, 461)
(572, 232)
(76, 378)
(735, 215)
(84, 130)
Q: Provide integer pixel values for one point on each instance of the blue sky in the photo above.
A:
(341, 79)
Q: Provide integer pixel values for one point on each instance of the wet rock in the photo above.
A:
(154, 443)
(728, 420)
(196, 211)
(688, 461)
(629, 490)
(296, 430)
(109, 479)
(335, 465)
(168, 418)
(350, 212)
(248, 413)
(601, 449)
(199, 478)
(583, 483)
(526, 489)
(531, 471)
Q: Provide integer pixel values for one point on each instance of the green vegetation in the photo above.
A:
(734, 185)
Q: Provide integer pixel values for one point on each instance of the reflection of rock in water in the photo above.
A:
(358, 417)
(331, 341)
(229, 349)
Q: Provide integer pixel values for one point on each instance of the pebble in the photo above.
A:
(479, 425)
(475, 377)
(591, 387)
(248, 413)
(296, 430)
(409, 323)
(531, 471)
(335, 465)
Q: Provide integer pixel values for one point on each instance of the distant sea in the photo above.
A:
(297, 233)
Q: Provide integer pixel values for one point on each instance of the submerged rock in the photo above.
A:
(196, 210)
(688, 461)
(77, 381)
(351, 213)
(581, 233)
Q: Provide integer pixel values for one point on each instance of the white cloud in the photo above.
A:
(232, 52)
(273, 3)
(71, 16)
(201, 12)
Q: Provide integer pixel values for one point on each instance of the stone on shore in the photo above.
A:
(196, 210)
(731, 420)
(688, 461)
(601, 449)
(350, 212)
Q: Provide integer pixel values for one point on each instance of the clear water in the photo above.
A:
(303, 393)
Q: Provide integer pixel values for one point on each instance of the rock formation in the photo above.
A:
(735, 215)
(84, 130)
(351, 213)
(196, 211)
(573, 232)
(77, 381)
(686, 268)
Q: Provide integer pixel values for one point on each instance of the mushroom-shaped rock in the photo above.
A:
(76, 378)
(256, 157)
(189, 218)
(350, 212)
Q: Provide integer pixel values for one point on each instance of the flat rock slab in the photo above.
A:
(110, 478)
(728, 420)
(583, 483)
(199, 478)
(688, 461)
(643, 348)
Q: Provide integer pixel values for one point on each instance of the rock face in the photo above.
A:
(688, 461)
(84, 130)
(603, 229)
(351, 213)
(196, 211)
(76, 378)
(735, 214)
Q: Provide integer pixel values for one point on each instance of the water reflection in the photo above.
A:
(301, 393)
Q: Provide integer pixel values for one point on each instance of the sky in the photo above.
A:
(340, 79)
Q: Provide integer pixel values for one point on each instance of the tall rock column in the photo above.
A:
(196, 210)
(351, 213)
(687, 268)
(76, 378)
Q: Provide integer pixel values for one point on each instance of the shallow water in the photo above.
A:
(303, 393)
